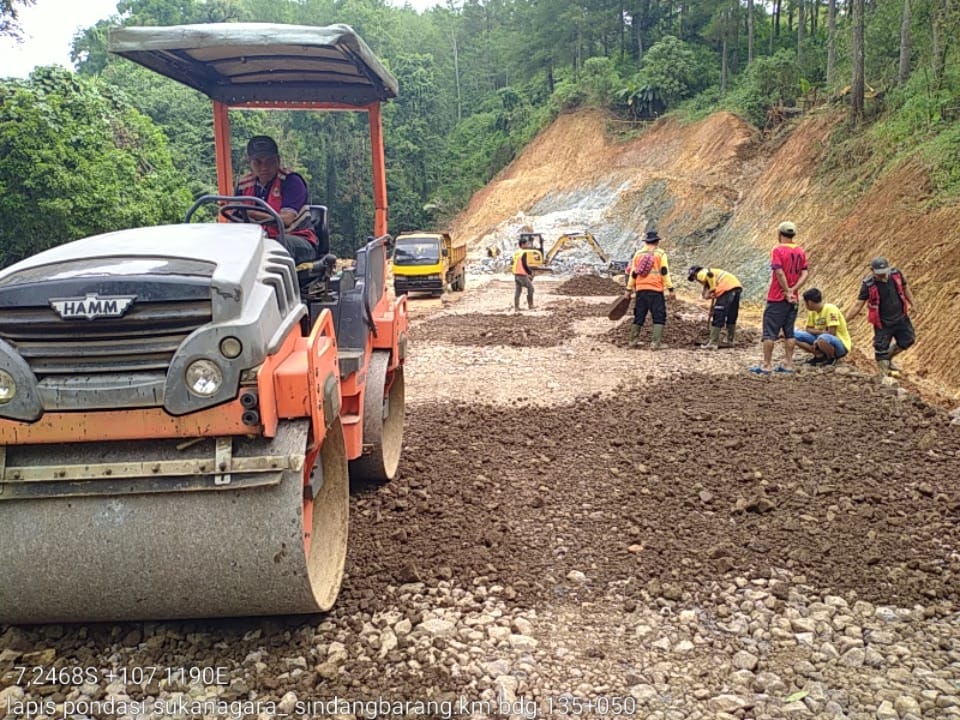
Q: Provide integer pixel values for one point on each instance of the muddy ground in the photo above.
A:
(830, 474)
(571, 494)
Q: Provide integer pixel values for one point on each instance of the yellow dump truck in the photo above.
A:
(428, 262)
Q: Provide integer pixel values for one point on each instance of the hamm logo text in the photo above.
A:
(92, 306)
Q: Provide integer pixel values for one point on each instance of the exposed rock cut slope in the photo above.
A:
(716, 192)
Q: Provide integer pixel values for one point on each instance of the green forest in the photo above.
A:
(108, 145)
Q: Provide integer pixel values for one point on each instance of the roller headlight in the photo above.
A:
(8, 387)
(204, 378)
(231, 347)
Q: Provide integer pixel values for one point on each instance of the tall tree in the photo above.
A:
(857, 59)
(801, 26)
(10, 17)
(943, 14)
(749, 31)
(903, 70)
(831, 40)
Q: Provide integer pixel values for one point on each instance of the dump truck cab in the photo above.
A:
(183, 403)
(428, 262)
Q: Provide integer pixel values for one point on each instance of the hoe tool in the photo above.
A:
(619, 308)
(713, 301)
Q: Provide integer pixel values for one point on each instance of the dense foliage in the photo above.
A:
(75, 160)
(479, 78)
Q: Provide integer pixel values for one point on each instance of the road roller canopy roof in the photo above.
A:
(249, 63)
(265, 66)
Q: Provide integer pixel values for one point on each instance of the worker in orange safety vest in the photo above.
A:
(648, 275)
(522, 275)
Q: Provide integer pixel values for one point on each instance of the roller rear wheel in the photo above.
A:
(383, 409)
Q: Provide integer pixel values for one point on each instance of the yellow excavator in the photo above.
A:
(568, 239)
(541, 258)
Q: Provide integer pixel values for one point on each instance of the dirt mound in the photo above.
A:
(543, 328)
(570, 311)
(674, 486)
(687, 325)
(479, 330)
(587, 285)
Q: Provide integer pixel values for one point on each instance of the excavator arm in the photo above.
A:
(592, 241)
(568, 238)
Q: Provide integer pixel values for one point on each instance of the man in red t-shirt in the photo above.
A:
(788, 263)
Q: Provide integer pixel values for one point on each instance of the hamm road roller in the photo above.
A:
(181, 407)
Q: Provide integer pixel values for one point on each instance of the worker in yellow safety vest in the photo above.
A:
(723, 289)
(522, 275)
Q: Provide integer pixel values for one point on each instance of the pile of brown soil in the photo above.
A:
(524, 329)
(483, 330)
(673, 485)
(589, 285)
(681, 329)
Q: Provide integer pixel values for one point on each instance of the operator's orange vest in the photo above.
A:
(248, 188)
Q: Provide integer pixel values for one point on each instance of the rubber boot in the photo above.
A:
(656, 338)
(884, 366)
(731, 334)
(530, 303)
(714, 342)
(894, 351)
(634, 335)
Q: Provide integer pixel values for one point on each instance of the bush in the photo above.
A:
(75, 160)
(766, 83)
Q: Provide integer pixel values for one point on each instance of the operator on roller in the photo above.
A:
(283, 190)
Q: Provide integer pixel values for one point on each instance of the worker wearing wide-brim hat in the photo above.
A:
(648, 275)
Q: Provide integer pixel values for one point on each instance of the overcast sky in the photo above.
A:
(49, 27)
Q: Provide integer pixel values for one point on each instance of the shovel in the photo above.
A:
(619, 308)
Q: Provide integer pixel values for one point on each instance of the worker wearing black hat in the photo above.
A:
(723, 289)
(649, 277)
(283, 190)
(889, 301)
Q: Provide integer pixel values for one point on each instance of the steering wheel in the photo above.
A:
(236, 209)
(240, 213)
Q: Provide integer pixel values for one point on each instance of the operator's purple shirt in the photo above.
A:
(293, 192)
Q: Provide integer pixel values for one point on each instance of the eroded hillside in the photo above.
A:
(716, 192)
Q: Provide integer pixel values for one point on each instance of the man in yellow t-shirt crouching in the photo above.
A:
(826, 336)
